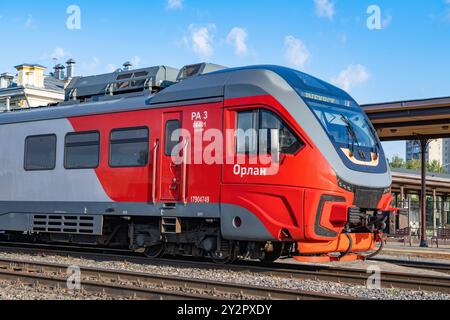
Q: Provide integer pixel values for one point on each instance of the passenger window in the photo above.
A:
(172, 136)
(247, 130)
(82, 150)
(40, 153)
(253, 135)
(129, 147)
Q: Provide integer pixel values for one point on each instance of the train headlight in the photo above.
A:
(345, 185)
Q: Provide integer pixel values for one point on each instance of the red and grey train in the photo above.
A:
(99, 168)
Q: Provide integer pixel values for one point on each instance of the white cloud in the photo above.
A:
(297, 55)
(352, 76)
(325, 8)
(201, 40)
(238, 38)
(174, 4)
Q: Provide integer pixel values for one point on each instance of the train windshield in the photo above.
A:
(347, 127)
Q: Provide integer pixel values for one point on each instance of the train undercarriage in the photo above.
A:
(155, 237)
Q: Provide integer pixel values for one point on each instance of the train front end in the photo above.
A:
(347, 204)
(356, 211)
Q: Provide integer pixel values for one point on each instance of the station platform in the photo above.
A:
(402, 250)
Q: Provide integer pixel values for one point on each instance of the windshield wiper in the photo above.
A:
(351, 132)
(374, 137)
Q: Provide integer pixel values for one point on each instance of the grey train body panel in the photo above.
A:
(19, 216)
(120, 209)
(252, 229)
(79, 192)
(59, 184)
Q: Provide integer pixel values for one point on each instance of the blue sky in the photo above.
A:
(408, 58)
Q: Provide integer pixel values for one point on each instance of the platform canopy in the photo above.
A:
(422, 120)
(411, 120)
(410, 180)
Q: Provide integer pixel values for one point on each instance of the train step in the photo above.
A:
(170, 226)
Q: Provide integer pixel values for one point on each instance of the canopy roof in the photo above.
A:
(411, 120)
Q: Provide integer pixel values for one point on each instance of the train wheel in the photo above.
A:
(273, 256)
(155, 251)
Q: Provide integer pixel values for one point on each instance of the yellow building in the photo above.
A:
(32, 88)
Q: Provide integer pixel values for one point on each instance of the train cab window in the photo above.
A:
(129, 147)
(172, 136)
(40, 153)
(254, 129)
(82, 150)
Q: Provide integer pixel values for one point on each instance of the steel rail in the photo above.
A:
(389, 279)
(424, 265)
(93, 287)
(410, 281)
(134, 284)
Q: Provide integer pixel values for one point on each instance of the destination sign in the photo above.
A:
(326, 99)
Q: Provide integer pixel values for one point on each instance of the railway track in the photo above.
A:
(424, 265)
(146, 286)
(410, 281)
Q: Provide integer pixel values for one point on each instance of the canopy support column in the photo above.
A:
(424, 239)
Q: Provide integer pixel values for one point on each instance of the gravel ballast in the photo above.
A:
(14, 291)
(19, 291)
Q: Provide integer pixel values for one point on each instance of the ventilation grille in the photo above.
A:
(68, 224)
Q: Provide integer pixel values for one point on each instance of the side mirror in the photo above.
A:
(275, 148)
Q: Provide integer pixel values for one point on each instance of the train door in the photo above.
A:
(171, 172)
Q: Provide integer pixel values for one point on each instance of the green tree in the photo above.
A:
(397, 163)
(414, 165)
(435, 167)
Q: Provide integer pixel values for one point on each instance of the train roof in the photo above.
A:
(213, 86)
(223, 83)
